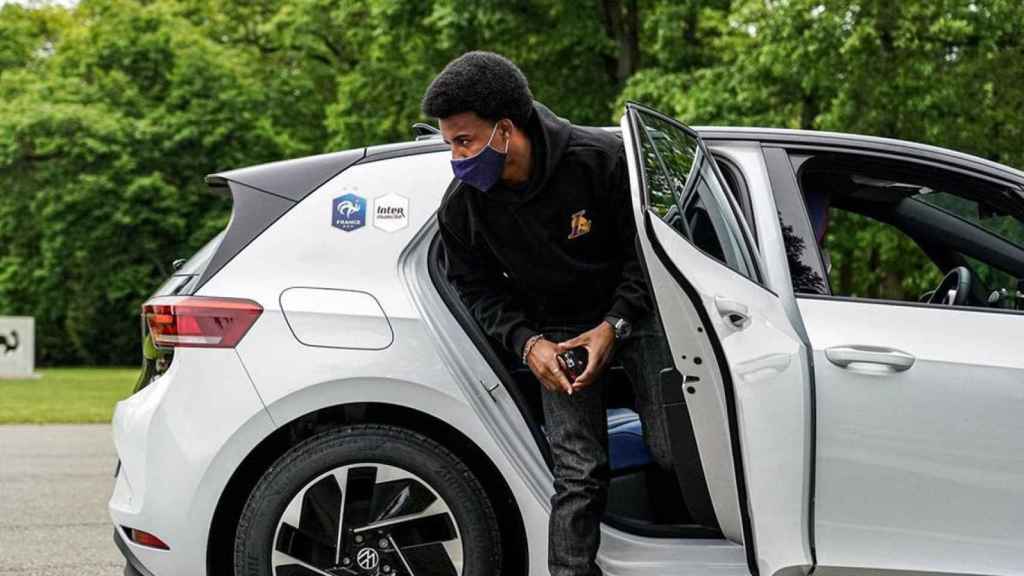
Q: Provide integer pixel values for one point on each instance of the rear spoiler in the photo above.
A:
(289, 179)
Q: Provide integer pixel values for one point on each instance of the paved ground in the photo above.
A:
(54, 485)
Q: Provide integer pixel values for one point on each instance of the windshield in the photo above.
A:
(997, 211)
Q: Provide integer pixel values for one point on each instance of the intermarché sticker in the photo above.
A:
(391, 212)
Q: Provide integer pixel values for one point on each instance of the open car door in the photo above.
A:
(744, 368)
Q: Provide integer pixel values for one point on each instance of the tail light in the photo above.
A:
(145, 539)
(198, 321)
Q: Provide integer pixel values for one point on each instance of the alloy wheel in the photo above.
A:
(367, 519)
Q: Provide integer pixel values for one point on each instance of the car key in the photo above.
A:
(574, 361)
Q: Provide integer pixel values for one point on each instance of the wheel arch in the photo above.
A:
(229, 506)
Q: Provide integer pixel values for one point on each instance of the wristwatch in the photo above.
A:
(621, 326)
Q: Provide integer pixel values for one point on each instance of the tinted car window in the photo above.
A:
(891, 229)
(684, 190)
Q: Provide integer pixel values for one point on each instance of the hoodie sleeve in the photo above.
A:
(476, 277)
(632, 299)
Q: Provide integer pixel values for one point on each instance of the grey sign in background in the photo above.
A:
(17, 346)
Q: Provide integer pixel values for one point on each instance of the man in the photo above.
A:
(540, 244)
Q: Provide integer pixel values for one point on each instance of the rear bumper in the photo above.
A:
(179, 440)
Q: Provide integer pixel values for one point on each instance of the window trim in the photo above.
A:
(742, 192)
(748, 248)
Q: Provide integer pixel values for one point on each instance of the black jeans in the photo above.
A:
(577, 430)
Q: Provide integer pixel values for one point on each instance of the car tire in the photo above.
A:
(402, 498)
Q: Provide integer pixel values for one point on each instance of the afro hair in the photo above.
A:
(482, 82)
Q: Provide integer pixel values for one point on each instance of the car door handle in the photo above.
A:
(844, 356)
(735, 313)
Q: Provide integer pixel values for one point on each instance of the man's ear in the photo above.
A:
(507, 127)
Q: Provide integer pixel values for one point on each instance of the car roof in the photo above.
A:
(842, 139)
(782, 136)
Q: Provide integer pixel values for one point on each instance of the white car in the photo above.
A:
(317, 401)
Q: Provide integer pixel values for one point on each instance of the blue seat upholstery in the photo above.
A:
(626, 447)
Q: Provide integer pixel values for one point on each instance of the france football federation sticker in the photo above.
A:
(349, 212)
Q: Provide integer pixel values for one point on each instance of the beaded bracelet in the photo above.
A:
(529, 346)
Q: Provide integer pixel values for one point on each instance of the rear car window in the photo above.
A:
(184, 279)
(683, 190)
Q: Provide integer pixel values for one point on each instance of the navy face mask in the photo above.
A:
(483, 169)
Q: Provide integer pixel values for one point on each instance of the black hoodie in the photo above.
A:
(562, 251)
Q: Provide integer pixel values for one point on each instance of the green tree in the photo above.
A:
(569, 52)
(112, 111)
(103, 144)
(943, 72)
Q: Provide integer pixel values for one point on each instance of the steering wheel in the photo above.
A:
(954, 288)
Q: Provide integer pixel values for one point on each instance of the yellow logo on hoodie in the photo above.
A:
(580, 224)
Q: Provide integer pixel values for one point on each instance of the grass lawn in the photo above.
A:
(65, 395)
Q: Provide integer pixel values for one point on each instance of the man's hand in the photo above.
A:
(545, 365)
(599, 342)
